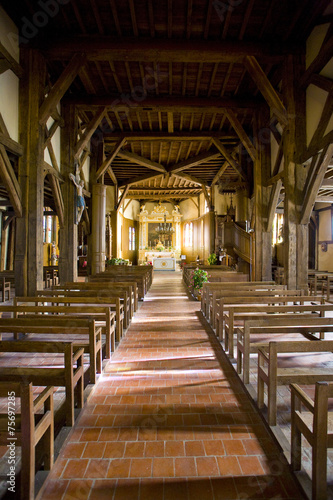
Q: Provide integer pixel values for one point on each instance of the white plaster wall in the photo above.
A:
(188, 209)
(132, 210)
(9, 82)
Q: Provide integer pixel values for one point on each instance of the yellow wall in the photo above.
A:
(201, 239)
(325, 258)
(123, 244)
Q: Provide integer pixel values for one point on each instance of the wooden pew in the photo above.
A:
(70, 376)
(34, 424)
(243, 313)
(90, 297)
(118, 284)
(42, 306)
(100, 290)
(257, 333)
(316, 425)
(221, 301)
(208, 289)
(271, 374)
(141, 274)
(42, 325)
(5, 288)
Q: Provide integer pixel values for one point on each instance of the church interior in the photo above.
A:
(166, 249)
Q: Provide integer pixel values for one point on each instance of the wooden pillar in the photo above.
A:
(262, 240)
(4, 246)
(295, 234)
(211, 232)
(29, 234)
(68, 233)
(98, 228)
(11, 246)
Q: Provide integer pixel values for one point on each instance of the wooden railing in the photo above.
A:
(233, 236)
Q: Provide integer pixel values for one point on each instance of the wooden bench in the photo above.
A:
(230, 286)
(43, 325)
(118, 284)
(141, 274)
(257, 333)
(316, 425)
(101, 290)
(271, 374)
(85, 297)
(42, 306)
(70, 375)
(220, 301)
(34, 424)
(241, 313)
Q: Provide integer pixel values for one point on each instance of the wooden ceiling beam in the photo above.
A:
(139, 160)
(315, 178)
(122, 198)
(107, 162)
(178, 189)
(176, 136)
(90, 129)
(58, 199)
(10, 182)
(171, 103)
(266, 88)
(61, 86)
(192, 162)
(220, 172)
(189, 178)
(10, 62)
(162, 50)
(242, 134)
(160, 196)
(227, 155)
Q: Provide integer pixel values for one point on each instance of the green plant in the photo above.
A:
(212, 259)
(117, 262)
(198, 278)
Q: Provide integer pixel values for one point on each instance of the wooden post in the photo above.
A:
(295, 234)
(68, 233)
(98, 228)
(263, 239)
(29, 234)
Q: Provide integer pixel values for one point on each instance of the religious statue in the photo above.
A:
(54, 256)
(79, 184)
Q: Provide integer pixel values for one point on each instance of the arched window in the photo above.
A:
(188, 235)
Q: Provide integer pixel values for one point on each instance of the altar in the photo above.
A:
(164, 264)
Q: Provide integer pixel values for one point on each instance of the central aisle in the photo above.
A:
(169, 418)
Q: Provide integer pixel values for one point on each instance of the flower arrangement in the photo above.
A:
(198, 278)
(212, 259)
(159, 247)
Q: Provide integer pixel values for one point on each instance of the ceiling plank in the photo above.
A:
(133, 17)
(266, 88)
(151, 18)
(170, 123)
(90, 129)
(218, 144)
(107, 162)
(313, 186)
(115, 16)
(192, 162)
(60, 87)
(145, 162)
(136, 180)
(241, 133)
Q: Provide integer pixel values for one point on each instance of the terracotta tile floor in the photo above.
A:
(169, 419)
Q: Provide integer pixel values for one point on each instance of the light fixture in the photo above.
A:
(165, 229)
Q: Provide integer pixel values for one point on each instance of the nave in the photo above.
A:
(169, 418)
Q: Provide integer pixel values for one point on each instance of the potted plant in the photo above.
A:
(212, 259)
(198, 278)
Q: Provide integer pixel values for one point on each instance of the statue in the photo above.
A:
(79, 184)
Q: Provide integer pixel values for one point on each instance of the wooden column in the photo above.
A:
(98, 228)
(68, 233)
(295, 234)
(262, 240)
(29, 234)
